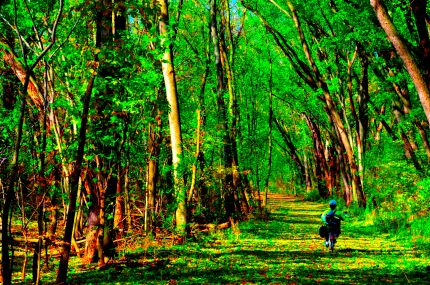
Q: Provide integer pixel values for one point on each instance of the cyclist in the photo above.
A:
(331, 221)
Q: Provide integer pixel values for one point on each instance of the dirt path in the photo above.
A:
(359, 257)
(283, 250)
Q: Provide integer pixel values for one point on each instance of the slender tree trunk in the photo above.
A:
(424, 138)
(42, 187)
(64, 258)
(119, 200)
(345, 179)
(323, 173)
(127, 202)
(118, 222)
(409, 151)
(230, 202)
(194, 166)
(154, 141)
(227, 54)
(363, 117)
(307, 174)
(174, 118)
(269, 151)
(200, 159)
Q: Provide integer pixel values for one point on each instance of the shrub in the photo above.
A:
(312, 195)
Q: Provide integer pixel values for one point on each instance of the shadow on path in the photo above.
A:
(286, 249)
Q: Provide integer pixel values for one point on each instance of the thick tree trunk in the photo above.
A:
(110, 21)
(34, 91)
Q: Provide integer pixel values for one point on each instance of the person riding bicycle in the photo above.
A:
(331, 222)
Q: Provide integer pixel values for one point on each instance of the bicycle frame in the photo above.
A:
(332, 240)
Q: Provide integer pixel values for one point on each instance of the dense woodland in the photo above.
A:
(123, 119)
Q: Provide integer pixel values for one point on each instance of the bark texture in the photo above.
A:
(174, 117)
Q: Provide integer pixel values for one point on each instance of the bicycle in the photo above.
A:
(333, 229)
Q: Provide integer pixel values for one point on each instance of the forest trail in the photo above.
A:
(286, 249)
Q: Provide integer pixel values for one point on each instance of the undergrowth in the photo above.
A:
(283, 247)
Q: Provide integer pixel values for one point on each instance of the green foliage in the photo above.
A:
(284, 249)
(397, 192)
(312, 195)
(128, 102)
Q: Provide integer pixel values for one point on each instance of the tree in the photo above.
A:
(6, 266)
(174, 117)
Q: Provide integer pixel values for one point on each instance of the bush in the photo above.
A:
(312, 195)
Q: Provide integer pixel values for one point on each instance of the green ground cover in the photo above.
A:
(285, 249)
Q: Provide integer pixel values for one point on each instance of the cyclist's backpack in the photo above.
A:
(330, 219)
(323, 231)
(333, 222)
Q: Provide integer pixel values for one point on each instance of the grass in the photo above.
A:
(285, 249)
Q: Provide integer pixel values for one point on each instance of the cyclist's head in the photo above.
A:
(332, 204)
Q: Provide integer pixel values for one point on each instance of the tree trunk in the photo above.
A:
(227, 54)
(424, 138)
(363, 118)
(42, 187)
(409, 151)
(154, 141)
(174, 118)
(118, 222)
(323, 174)
(197, 153)
(308, 179)
(151, 194)
(119, 200)
(230, 201)
(269, 151)
(64, 258)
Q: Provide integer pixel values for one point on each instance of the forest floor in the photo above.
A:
(285, 249)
